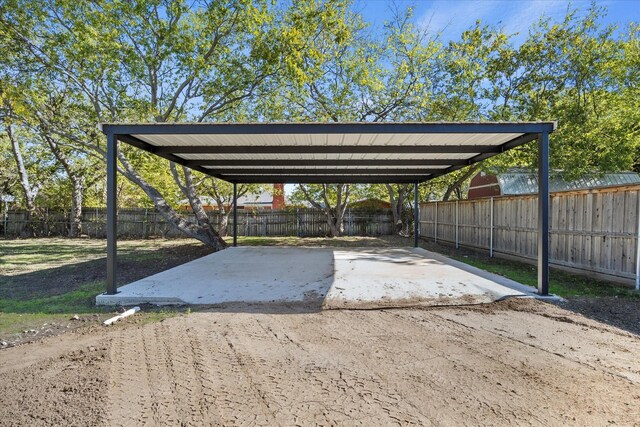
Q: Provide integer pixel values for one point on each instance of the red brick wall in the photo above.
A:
(278, 196)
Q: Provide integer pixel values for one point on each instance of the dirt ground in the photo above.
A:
(517, 362)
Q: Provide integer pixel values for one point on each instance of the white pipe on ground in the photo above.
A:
(127, 313)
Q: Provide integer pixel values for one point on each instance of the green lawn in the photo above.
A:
(50, 280)
(561, 283)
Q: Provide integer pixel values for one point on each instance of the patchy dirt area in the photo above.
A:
(517, 362)
(33, 268)
(606, 302)
(50, 328)
(48, 286)
(623, 313)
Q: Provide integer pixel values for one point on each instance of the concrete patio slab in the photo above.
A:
(322, 277)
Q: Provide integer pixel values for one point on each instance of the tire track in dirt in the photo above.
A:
(360, 340)
(129, 392)
(173, 374)
(380, 367)
(364, 395)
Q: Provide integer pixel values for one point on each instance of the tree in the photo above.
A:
(332, 199)
(158, 61)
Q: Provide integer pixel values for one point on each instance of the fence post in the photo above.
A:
(144, 224)
(457, 244)
(435, 226)
(491, 230)
(638, 244)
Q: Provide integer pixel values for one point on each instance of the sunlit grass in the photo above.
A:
(560, 282)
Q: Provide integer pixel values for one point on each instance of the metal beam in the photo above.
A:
(235, 214)
(322, 172)
(112, 213)
(323, 179)
(322, 149)
(416, 215)
(543, 214)
(522, 139)
(325, 128)
(207, 163)
(131, 140)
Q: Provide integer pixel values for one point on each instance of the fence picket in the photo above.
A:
(594, 231)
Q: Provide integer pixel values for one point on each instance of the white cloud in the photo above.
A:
(515, 16)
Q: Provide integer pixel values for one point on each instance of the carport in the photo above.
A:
(329, 153)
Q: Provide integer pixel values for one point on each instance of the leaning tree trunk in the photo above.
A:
(30, 191)
(202, 232)
(458, 182)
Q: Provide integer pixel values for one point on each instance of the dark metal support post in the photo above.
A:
(416, 215)
(112, 212)
(543, 214)
(235, 214)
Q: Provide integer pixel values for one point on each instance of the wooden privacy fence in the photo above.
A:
(143, 223)
(593, 231)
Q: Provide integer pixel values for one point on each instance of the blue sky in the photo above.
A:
(454, 16)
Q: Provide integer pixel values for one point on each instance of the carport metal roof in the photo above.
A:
(327, 152)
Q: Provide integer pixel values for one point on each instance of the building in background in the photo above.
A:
(518, 181)
(269, 199)
(274, 199)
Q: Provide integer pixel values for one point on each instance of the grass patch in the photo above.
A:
(46, 280)
(80, 300)
(11, 323)
(560, 282)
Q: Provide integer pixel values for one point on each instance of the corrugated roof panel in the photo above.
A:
(318, 156)
(326, 139)
(380, 151)
(514, 183)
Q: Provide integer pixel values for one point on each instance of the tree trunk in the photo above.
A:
(398, 198)
(77, 187)
(335, 216)
(335, 224)
(223, 218)
(202, 232)
(30, 192)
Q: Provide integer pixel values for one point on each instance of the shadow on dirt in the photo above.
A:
(57, 281)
